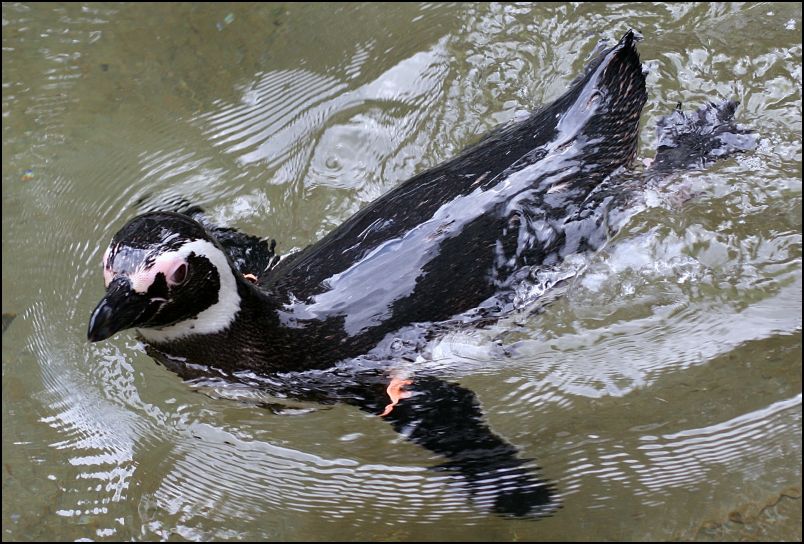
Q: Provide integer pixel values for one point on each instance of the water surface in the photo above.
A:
(661, 393)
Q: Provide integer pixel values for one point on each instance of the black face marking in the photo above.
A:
(199, 291)
(159, 288)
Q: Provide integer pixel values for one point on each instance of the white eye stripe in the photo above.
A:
(107, 271)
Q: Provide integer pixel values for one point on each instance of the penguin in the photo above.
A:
(449, 245)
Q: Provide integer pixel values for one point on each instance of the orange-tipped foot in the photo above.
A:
(396, 393)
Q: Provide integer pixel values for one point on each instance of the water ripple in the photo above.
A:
(660, 389)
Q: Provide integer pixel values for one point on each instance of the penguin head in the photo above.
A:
(168, 277)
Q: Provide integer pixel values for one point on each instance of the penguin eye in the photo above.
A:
(179, 274)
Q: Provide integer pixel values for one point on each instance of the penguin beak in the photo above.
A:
(120, 309)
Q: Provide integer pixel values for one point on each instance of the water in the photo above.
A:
(661, 393)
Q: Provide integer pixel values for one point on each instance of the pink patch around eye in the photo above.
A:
(173, 267)
(167, 264)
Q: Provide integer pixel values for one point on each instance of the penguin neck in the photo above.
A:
(263, 338)
(235, 334)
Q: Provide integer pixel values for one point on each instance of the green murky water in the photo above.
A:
(661, 393)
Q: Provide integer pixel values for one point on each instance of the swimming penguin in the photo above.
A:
(449, 245)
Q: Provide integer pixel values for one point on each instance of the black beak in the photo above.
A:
(120, 309)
